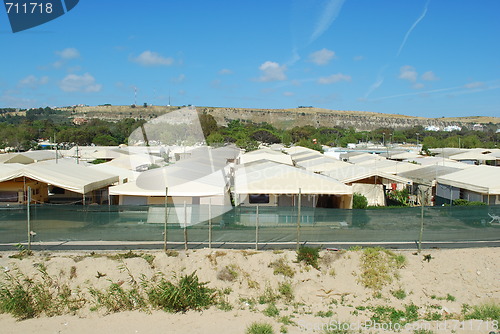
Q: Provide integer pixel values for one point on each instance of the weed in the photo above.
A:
(26, 297)
(286, 320)
(259, 328)
(172, 253)
(433, 316)
(271, 310)
(116, 298)
(187, 294)
(213, 256)
(390, 315)
(423, 331)
(286, 291)
(399, 294)
(309, 255)
(379, 267)
(332, 272)
(268, 296)
(22, 253)
(280, 267)
(72, 272)
(323, 314)
(248, 253)
(283, 329)
(450, 298)
(488, 311)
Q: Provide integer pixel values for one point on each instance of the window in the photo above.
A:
(9, 196)
(259, 199)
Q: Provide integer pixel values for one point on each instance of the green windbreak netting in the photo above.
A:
(232, 225)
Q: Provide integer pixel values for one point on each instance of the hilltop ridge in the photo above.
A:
(286, 118)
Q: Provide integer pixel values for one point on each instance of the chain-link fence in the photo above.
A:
(247, 225)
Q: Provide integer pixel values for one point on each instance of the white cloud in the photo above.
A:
(149, 58)
(408, 73)
(272, 71)
(418, 85)
(179, 78)
(358, 58)
(68, 53)
(32, 81)
(225, 71)
(322, 57)
(475, 85)
(334, 78)
(79, 83)
(288, 94)
(429, 76)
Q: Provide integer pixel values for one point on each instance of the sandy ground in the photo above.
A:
(471, 276)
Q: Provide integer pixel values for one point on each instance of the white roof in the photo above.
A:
(391, 166)
(322, 164)
(355, 173)
(71, 177)
(429, 161)
(267, 154)
(209, 185)
(480, 179)
(480, 155)
(274, 178)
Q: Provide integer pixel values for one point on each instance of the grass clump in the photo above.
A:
(271, 310)
(393, 316)
(379, 266)
(187, 294)
(281, 267)
(259, 328)
(24, 297)
(309, 255)
(117, 298)
(399, 294)
(286, 291)
(487, 311)
(324, 314)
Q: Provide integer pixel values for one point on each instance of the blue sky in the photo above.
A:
(429, 58)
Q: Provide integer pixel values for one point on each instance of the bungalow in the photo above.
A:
(269, 183)
(479, 183)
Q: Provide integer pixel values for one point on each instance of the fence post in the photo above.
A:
(166, 220)
(421, 220)
(257, 229)
(185, 228)
(29, 219)
(298, 218)
(210, 223)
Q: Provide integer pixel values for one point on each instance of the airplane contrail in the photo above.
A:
(413, 27)
(330, 13)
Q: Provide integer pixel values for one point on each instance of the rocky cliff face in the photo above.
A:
(361, 121)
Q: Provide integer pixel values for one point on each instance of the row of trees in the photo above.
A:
(248, 135)
(23, 132)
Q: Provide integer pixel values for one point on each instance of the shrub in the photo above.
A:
(464, 202)
(187, 294)
(359, 201)
(308, 255)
